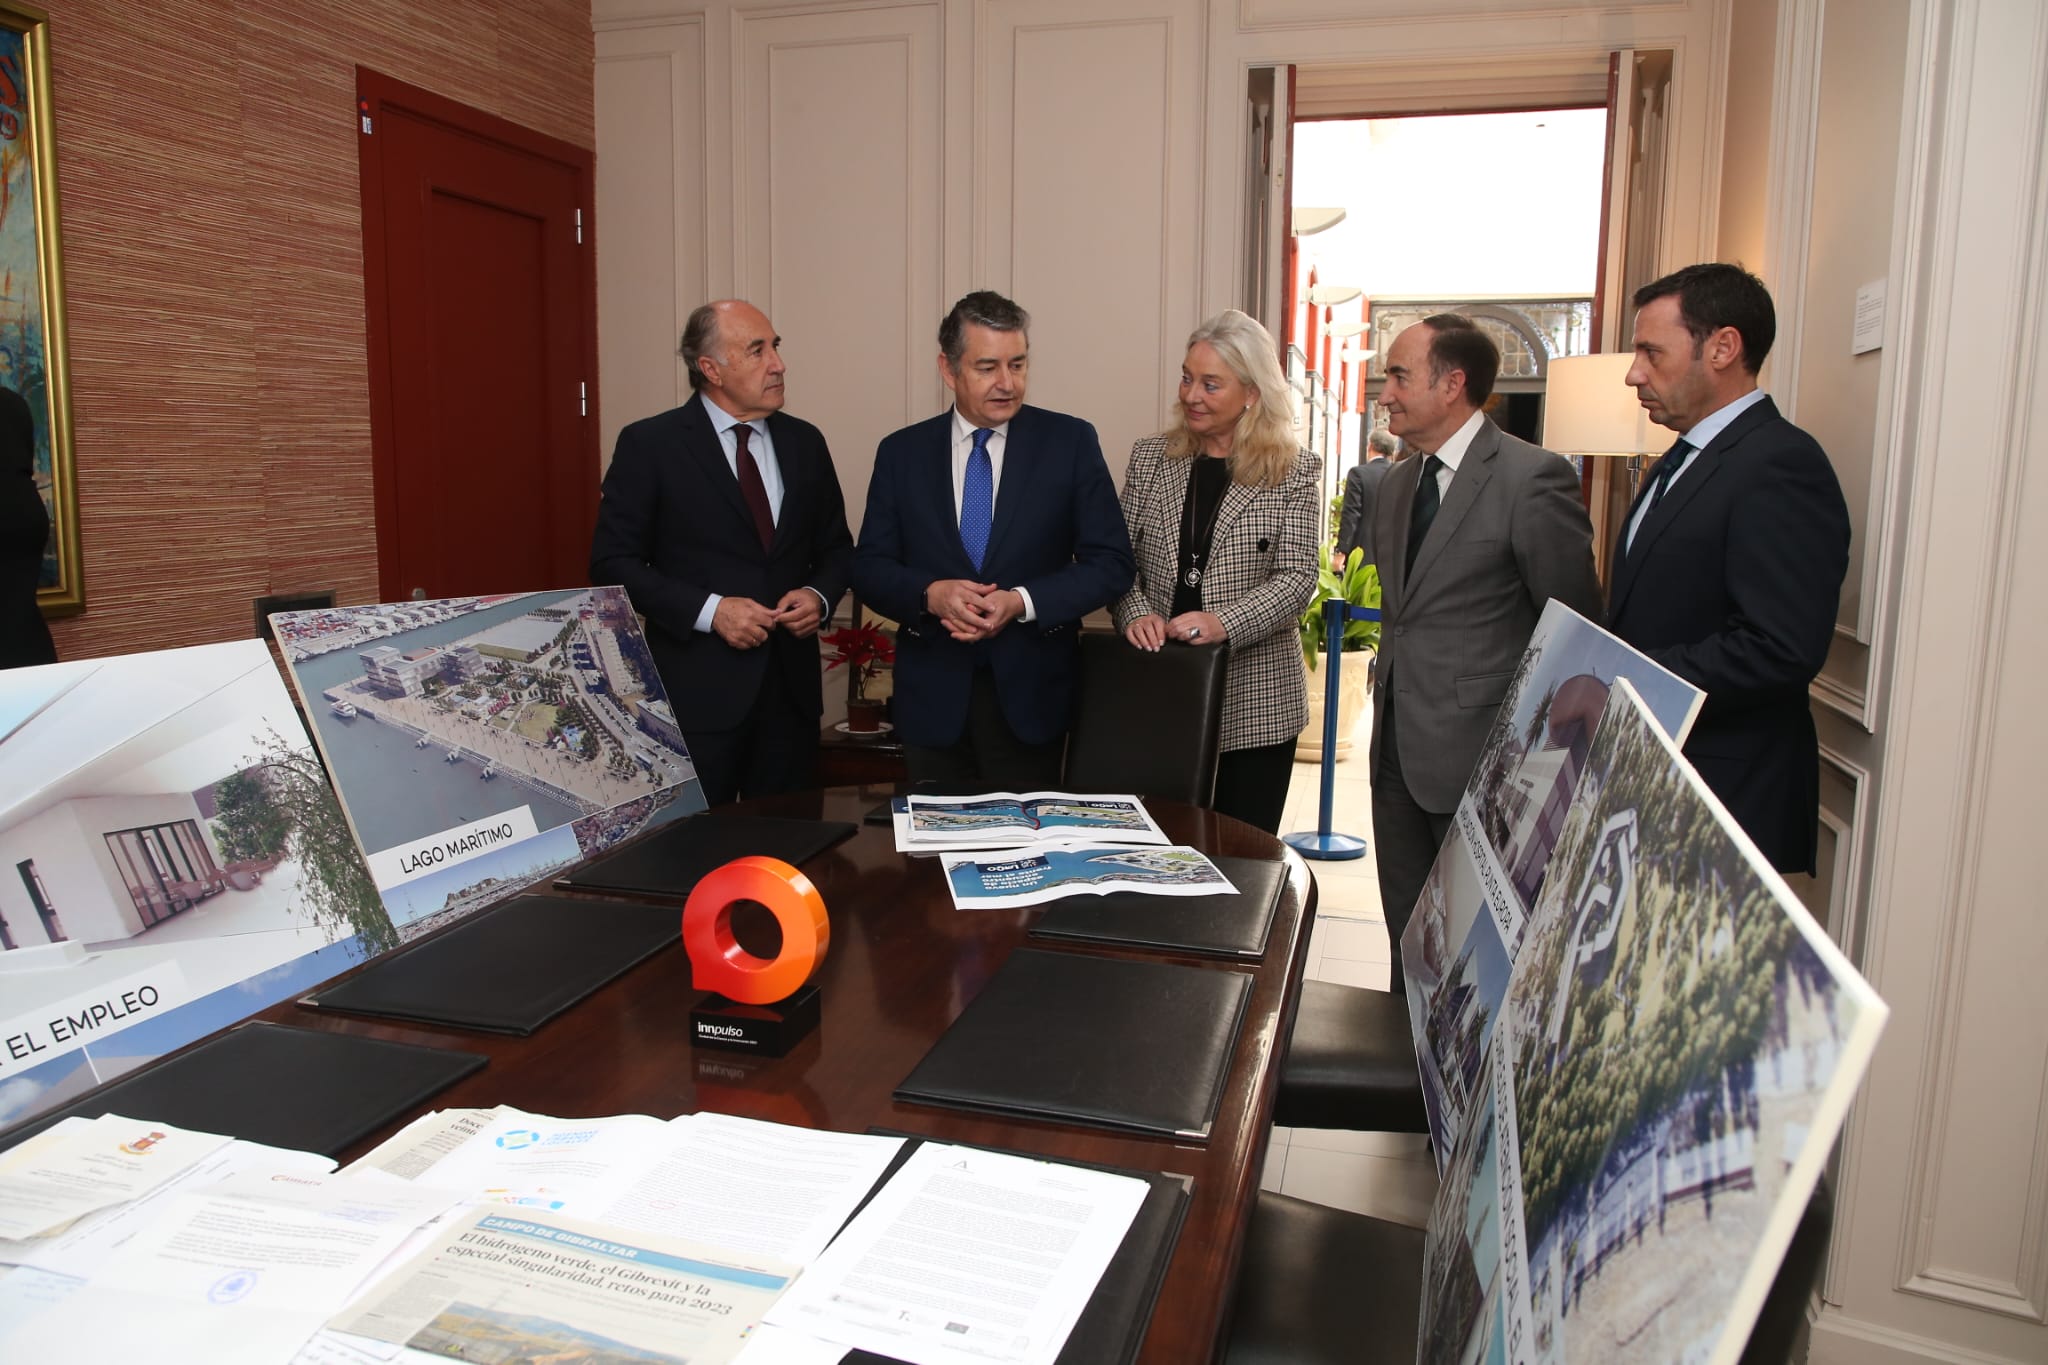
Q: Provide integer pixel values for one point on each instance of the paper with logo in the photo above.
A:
(245, 1270)
(507, 1285)
(1675, 1053)
(966, 1257)
(103, 1161)
(1011, 820)
(416, 1148)
(1020, 877)
(1468, 922)
(481, 744)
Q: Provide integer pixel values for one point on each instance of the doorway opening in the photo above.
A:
(1495, 215)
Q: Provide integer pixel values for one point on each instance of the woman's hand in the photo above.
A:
(1148, 632)
(1197, 628)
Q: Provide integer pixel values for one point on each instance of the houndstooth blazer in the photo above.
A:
(1261, 575)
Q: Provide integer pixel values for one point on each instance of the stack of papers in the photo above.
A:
(498, 1234)
(1043, 846)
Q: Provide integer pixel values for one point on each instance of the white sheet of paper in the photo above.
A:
(561, 1165)
(780, 1346)
(108, 1161)
(83, 1247)
(966, 1258)
(245, 1270)
(762, 1189)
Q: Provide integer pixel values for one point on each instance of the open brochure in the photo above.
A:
(1008, 880)
(1014, 820)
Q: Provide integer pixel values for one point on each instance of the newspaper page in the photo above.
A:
(966, 1257)
(419, 1146)
(1009, 880)
(505, 1286)
(1011, 820)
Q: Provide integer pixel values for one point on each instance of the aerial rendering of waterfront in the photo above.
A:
(434, 715)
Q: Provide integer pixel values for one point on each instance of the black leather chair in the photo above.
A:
(1320, 1285)
(1350, 1063)
(1147, 723)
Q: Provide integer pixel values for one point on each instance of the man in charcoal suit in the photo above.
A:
(1729, 568)
(1473, 533)
(724, 520)
(990, 531)
(1361, 489)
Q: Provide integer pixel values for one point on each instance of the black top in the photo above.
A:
(24, 532)
(1206, 483)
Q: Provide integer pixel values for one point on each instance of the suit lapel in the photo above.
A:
(935, 485)
(1473, 473)
(779, 433)
(1018, 450)
(701, 444)
(1236, 498)
(1706, 467)
(1169, 514)
(1397, 490)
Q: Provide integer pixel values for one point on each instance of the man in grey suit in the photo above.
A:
(1474, 532)
(1361, 485)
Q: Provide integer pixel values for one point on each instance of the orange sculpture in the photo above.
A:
(718, 962)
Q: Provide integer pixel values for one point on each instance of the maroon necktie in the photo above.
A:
(751, 488)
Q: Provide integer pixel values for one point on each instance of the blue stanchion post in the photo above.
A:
(1321, 843)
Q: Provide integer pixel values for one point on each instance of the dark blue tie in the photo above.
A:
(1667, 470)
(977, 498)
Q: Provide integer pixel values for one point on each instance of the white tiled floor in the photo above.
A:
(1388, 1175)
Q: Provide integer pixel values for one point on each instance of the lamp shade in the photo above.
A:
(1588, 410)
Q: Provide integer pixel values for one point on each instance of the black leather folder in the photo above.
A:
(671, 861)
(281, 1086)
(511, 968)
(1232, 926)
(1112, 1326)
(1108, 1042)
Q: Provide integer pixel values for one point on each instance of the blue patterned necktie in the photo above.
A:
(977, 498)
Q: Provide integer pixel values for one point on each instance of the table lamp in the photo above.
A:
(1589, 411)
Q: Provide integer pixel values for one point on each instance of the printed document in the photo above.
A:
(1019, 877)
(76, 1169)
(1010, 820)
(965, 1258)
(416, 1148)
(245, 1270)
(512, 1284)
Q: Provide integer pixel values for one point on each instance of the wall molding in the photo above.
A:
(2024, 1294)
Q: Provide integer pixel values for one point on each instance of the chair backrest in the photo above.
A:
(1147, 723)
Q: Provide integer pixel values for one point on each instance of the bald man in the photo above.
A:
(724, 520)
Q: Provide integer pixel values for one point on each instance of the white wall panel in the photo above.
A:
(837, 214)
(1090, 170)
(649, 216)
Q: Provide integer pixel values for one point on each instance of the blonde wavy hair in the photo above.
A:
(1265, 451)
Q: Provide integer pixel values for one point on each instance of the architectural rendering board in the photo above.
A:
(174, 862)
(1467, 926)
(481, 744)
(1675, 1055)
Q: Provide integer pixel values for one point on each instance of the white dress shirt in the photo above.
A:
(963, 447)
(1452, 453)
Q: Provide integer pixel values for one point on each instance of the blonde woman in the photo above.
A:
(1225, 513)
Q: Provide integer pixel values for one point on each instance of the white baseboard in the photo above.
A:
(1839, 1340)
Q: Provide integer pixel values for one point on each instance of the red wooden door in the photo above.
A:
(482, 336)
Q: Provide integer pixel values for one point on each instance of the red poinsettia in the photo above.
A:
(863, 648)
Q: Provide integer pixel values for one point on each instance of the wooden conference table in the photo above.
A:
(902, 965)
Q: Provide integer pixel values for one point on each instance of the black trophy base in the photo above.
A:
(770, 1030)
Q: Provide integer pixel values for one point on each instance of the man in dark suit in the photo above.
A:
(724, 520)
(1729, 568)
(990, 531)
(1361, 488)
(1473, 533)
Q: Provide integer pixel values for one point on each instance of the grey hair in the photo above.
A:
(700, 339)
(1384, 441)
(983, 308)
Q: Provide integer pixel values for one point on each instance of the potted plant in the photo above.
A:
(862, 649)
(1357, 586)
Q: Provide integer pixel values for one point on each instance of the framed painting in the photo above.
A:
(32, 358)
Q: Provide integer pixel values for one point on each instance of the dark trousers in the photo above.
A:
(987, 755)
(774, 749)
(1405, 838)
(1251, 784)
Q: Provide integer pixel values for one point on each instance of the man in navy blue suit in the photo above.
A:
(1729, 568)
(991, 530)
